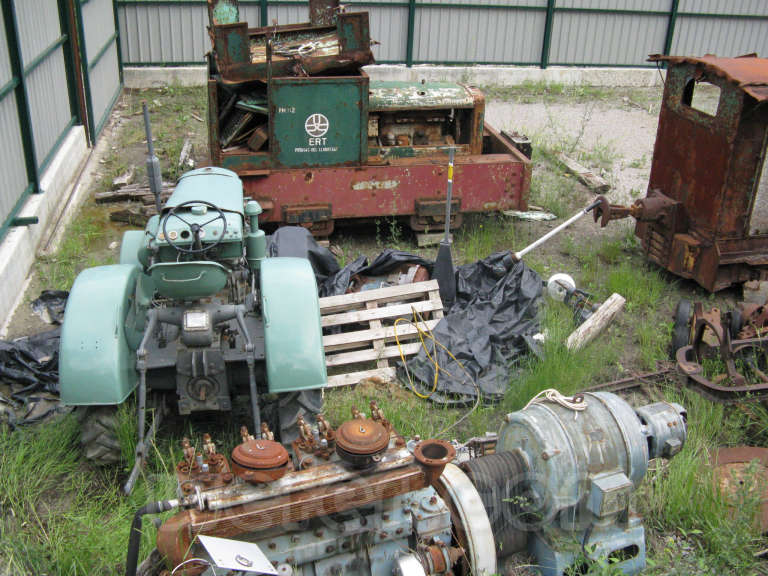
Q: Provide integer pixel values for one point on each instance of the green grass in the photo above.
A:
(681, 498)
(58, 515)
(82, 247)
(539, 91)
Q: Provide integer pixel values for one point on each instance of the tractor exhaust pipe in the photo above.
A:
(153, 163)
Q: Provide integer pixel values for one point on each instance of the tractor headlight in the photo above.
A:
(196, 320)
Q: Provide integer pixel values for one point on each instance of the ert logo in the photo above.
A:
(316, 126)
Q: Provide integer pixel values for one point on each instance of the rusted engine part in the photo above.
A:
(574, 469)
(206, 468)
(260, 460)
(405, 274)
(372, 468)
(359, 442)
(708, 168)
(332, 42)
(744, 468)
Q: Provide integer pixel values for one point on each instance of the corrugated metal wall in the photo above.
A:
(101, 58)
(37, 107)
(532, 32)
(15, 181)
(40, 87)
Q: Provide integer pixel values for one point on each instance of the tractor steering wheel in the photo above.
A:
(197, 245)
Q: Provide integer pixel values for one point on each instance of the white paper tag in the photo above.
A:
(236, 555)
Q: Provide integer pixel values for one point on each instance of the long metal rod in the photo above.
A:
(554, 231)
(449, 195)
(141, 366)
(137, 466)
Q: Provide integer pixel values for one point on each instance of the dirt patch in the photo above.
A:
(613, 138)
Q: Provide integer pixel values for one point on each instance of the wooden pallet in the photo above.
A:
(368, 320)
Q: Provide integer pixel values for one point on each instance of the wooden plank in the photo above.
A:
(424, 239)
(585, 175)
(347, 340)
(434, 296)
(384, 375)
(378, 344)
(370, 355)
(596, 323)
(394, 311)
(382, 295)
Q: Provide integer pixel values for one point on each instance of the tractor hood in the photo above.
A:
(217, 185)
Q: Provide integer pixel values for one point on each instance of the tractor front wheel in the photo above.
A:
(98, 435)
(307, 403)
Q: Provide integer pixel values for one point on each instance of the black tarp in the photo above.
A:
(31, 363)
(29, 368)
(50, 305)
(488, 329)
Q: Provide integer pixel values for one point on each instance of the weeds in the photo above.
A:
(78, 250)
(682, 497)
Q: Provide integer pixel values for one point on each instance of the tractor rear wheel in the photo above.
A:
(307, 403)
(98, 435)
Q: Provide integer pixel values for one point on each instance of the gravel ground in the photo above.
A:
(619, 129)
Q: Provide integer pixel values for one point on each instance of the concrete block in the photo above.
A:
(157, 76)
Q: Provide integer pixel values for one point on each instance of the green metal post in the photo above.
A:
(119, 48)
(264, 14)
(547, 33)
(411, 25)
(84, 70)
(22, 104)
(69, 64)
(671, 27)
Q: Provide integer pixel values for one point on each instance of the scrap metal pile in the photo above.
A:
(361, 499)
(293, 113)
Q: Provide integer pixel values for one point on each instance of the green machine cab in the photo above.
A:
(194, 307)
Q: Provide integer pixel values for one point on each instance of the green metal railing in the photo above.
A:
(550, 9)
(17, 86)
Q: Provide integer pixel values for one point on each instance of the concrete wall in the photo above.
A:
(19, 248)
(154, 76)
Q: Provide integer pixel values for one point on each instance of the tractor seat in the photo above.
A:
(188, 280)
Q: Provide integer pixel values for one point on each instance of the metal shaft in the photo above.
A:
(153, 164)
(449, 195)
(561, 227)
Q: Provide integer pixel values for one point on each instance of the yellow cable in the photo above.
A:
(421, 332)
(428, 334)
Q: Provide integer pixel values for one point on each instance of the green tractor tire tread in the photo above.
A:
(98, 435)
(291, 405)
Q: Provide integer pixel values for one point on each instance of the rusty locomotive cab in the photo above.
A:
(705, 216)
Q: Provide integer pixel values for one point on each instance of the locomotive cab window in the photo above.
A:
(702, 96)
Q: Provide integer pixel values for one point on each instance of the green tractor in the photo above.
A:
(194, 307)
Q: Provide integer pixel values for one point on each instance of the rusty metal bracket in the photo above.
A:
(731, 386)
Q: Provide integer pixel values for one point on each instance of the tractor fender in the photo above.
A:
(130, 246)
(293, 338)
(97, 365)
